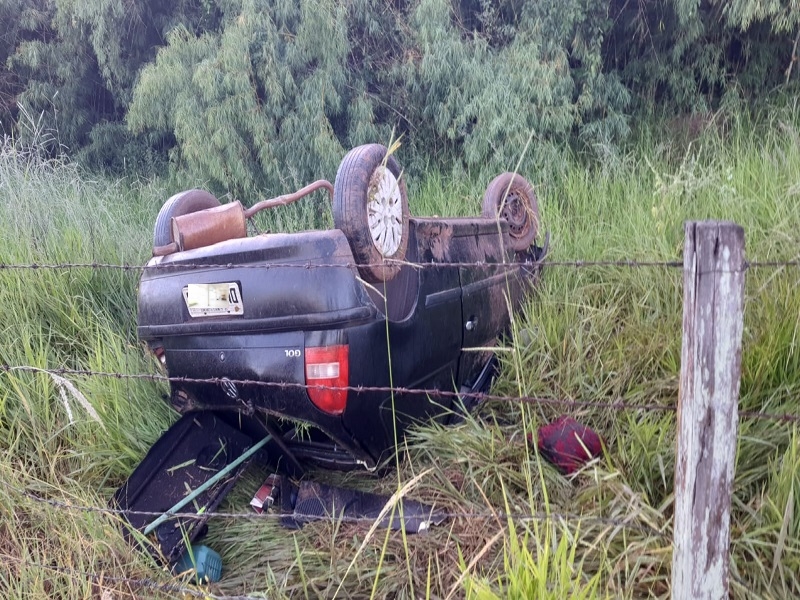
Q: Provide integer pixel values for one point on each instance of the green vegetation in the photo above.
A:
(252, 99)
(593, 333)
(262, 95)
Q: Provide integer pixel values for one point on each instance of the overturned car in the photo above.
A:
(334, 342)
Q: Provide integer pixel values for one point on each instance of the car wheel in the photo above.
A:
(370, 205)
(510, 197)
(181, 203)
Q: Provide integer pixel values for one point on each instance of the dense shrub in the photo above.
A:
(247, 95)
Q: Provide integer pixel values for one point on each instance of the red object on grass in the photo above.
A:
(568, 444)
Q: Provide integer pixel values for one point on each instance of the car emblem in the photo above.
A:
(229, 388)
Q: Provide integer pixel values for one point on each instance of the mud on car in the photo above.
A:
(335, 342)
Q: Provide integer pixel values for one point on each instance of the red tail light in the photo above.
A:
(327, 367)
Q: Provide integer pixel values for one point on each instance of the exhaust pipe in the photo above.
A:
(225, 222)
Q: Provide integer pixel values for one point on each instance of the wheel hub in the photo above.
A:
(385, 211)
(514, 212)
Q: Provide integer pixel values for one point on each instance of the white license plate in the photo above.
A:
(213, 299)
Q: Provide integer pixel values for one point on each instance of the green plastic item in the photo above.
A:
(206, 563)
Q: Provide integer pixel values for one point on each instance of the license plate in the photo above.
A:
(213, 299)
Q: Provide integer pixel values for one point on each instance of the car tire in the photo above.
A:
(181, 203)
(511, 197)
(370, 205)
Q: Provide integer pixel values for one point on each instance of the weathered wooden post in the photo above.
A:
(711, 357)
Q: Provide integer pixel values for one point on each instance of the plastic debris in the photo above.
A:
(319, 501)
(267, 494)
(206, 563)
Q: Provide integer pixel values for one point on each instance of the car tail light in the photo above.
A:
(327, 367)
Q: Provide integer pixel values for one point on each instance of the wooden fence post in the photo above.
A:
(711, 358)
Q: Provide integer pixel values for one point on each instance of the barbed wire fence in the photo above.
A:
(567, 403)
(308, 265)
(615, 405)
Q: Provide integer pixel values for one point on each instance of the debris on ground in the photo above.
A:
(196, 463)
(184, 464)
(205, 562)
(317, 501)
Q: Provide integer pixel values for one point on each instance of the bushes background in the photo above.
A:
(247, 96)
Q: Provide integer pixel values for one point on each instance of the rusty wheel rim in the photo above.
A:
(514, 211)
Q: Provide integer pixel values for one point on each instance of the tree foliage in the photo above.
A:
(295, 84)
(17, 16)
(687, 55)
(77, 62)
(256, 102)
(491, 73)
(55, 61)
(249, 95)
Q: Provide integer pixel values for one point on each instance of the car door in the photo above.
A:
(489, 288)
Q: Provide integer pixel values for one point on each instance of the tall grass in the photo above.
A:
(592, 333)
(74, 318)
(608, 334)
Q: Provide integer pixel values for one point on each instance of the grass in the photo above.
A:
(590, 334)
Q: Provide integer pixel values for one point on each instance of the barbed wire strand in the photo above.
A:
(313, 265)
(575, 263)
(284, 385)
(481, 396)
(483, 516)
(139, 583)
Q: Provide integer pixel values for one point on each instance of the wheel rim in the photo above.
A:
(514, 211)
(385, 211)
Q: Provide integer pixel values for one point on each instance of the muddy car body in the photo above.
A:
(315, 339)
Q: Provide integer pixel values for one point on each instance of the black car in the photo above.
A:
(334, 342)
